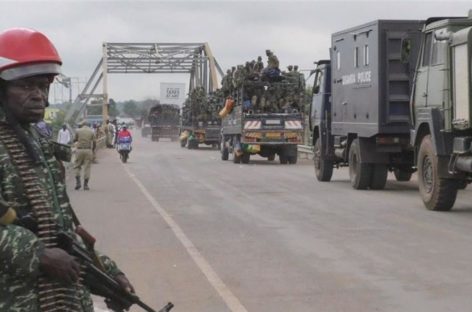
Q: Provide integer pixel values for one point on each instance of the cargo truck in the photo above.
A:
(396, 95)
(164, 120)
(264, 129)
(200, 121)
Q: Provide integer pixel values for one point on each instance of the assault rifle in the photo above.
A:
(101, 284)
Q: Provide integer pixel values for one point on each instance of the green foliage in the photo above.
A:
(112, 108)
(131, 109)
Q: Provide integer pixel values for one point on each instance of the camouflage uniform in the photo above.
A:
(19, 247)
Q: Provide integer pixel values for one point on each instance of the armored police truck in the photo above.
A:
(396, 95)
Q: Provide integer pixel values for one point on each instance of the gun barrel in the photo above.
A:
(167, 307)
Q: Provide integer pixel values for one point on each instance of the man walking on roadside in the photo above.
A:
(85, 138)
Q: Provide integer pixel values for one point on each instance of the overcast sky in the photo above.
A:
(237, 31)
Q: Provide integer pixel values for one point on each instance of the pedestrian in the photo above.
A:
(86, 144)
(35, 275)
(109, 131)
(63, 136)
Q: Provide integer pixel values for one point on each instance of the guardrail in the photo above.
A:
(305, 151)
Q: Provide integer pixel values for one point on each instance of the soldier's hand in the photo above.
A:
(59, 265)
(124, 283)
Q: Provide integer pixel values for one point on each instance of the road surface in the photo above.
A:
(213, 236)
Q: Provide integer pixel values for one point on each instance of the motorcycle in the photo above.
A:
(124, 148)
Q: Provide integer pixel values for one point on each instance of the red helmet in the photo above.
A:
(25, 53)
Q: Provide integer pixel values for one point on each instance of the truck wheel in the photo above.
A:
(292, 159)
(323, 166)
(283, 158)
(245, 158)
(402, 175)
(359, 172)
(437, 193)
(271, 157)
(190, 144)
(183, 143)
(379, 177)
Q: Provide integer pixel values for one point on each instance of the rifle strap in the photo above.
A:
(52, 296)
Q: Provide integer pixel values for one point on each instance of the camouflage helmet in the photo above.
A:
(295, 68)
(259, 58)
(289, 67)
(268, 52)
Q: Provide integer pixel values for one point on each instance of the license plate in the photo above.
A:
(275, 135)
(272, 122)
(124, 146)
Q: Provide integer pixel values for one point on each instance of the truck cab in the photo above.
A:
(441, 111)
(320, 121)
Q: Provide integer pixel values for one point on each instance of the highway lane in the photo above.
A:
(274, 238)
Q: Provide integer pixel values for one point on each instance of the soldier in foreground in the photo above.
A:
(35, 274)
(86, 145)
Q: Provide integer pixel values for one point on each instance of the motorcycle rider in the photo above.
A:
(124, 136)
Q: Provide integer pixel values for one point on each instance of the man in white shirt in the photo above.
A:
(63, 137)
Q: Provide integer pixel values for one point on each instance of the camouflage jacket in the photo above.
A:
(19, 247)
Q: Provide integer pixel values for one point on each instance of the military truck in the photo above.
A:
(266, 120)
(200, 121)
(164, 120)
(396, 95)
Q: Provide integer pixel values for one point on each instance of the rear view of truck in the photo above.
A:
(200, 121)
(164, 120)
(266, 120)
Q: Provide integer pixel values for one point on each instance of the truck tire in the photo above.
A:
(183, 142)
(359, 173)
(437, 193)
(245, 158)
(402, 175)
(379, 176)
(271, 157)
(283, 158)
(293, 159)
(323, 166)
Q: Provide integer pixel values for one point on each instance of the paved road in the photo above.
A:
(213, 236)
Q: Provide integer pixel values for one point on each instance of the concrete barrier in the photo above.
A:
(305, 151)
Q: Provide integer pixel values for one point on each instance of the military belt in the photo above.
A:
(52, 296)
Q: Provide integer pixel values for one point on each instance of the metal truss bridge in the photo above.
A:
(195, 59)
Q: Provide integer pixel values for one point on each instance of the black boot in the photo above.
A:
(78, 185)
(86, 188)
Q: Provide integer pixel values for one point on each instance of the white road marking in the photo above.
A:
(232, 302)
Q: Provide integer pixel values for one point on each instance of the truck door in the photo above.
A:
(422, 74)
(320, 106)
(437, 73)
